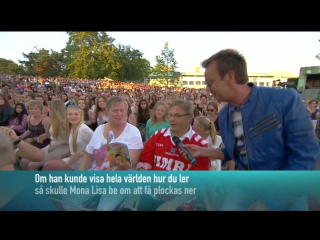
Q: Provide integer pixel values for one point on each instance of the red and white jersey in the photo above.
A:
(163, 154)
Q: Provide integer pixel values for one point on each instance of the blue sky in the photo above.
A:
(264, 51)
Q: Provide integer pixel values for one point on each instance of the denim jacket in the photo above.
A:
(279, 135)
(278, 131)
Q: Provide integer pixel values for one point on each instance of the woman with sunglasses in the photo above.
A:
(213, 114)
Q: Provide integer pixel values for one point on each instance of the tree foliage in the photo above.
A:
(10, 67)
(42, 62)
(90, 55)
(93, 55)
(165, 67)
(132, 64)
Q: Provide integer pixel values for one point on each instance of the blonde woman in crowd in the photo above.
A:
(158, 120)
(161, 97)
(96, 155)
(205, 128)
(16, 99)
(41, 98)
(79, 135)
(58, 134)
(72, 101)
(38, 125)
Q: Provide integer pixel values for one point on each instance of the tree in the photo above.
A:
(43, 62)
(132, 64)
(10, 67)
(90, 55)
(165, 67)
(30, 64)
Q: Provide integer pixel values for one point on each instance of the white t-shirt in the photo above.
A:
(216, 163)
(98, 145)
(61, 149)
(210, 142)
(84, 136)
(105, 119)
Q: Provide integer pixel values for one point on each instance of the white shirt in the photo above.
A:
(84, 136)
(98, 145)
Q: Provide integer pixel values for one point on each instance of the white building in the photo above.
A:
(196, 79)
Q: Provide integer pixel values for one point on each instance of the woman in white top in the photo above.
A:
(65, 99)
(58, 134)
(79, 135)
(101, 114)
(205, 128)
(95, 156)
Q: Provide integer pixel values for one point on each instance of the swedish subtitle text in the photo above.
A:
(158, 184)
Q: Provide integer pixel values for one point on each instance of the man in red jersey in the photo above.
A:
(161, 153)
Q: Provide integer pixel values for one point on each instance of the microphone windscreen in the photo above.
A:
(176, 140)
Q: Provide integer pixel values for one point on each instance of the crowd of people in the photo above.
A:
(230, 125)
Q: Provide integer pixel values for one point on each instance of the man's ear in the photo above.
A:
(231, 77)
(190, 117)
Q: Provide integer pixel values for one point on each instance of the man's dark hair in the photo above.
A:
(229, 60)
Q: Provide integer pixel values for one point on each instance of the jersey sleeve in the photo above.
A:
(147, 155)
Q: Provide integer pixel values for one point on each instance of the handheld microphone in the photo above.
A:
(178, 142)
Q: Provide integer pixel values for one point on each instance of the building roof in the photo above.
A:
(155, 75)
(284, 74)
(193, 73)
(277, 74)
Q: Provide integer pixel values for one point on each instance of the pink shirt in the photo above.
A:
(21, 128)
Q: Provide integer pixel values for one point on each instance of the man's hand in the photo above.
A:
(11, 133)
(193, 149)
